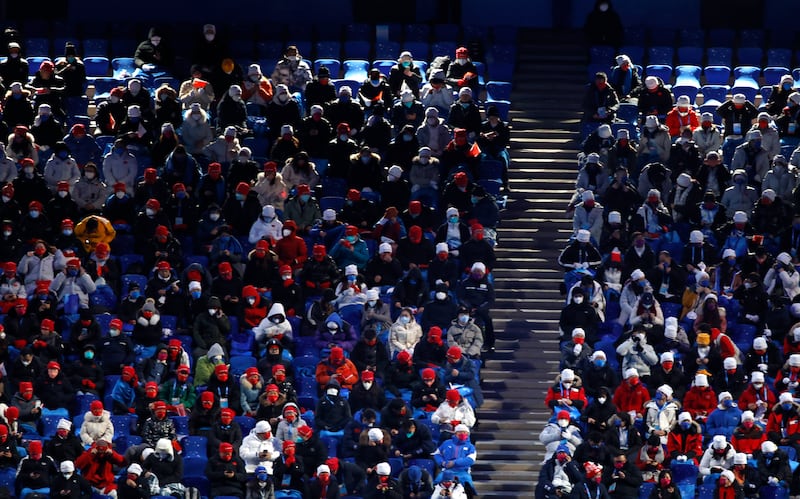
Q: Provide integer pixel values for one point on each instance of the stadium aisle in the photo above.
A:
(550, 73)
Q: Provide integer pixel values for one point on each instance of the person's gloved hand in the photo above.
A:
(577, 349)
(691, 315)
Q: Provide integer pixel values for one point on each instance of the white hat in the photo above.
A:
(478, 267)
(728, 253)
(567, 375)
(316, 109)
(785, 397)
(351, 270)
(234, 90)
(794, 360)
(760, 343)
(667, 357)
(442, 248)
(696, 237)
(724, 395)
(671, 331)
(739, 99)
(637, 274)
(614, 217)
(425, 152)
(740, 458)
(740, 217)
(329, 215)
(386, 248)
(64, 424)
(748, 416)
(700, 380)
(194, 285)
(345, 90)
(407, 96)
(666, 390)
(451, 211)
(593, 158)
(67, 467)
(375, 434)
(671, 321)
(684, 179)
(16, 86)
(784, 258)
(651, 82)
(564, 485)
(465, 91)
(794, 97)
(763, 116)
(230, 131)
(135, 469)
(587, 196)
(383, 469)
(287, 129)
(268, 211)
(622, 59)
(729, 363)
(461, 427)
(253, 69)
(604, 132)
(654, 192)
(768, 446)
(134, 111)
(728, 475)
(683, 101)
(651, 121)
(394, 173)
(578, 331)
(684, 416)
(584, 236)
(147, 452)
(719, 442)
(164, 445)
(323, 468)
(598, 354)
(372, 294)
(757, 377)
(623, 133)
(263, 427)
(631, 372)
(705, 117)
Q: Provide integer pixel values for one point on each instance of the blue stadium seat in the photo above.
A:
(440, 48)
(721, 37)
(125, 261)
(355, 69)
(357, 49)
(480, 68)
(773, 74)
(645, 489)
(417, 32)
(354, 85)
(690, 55)
(333, 65)
(397, 465)
(746, 77)
(200, 482)
(331, 202)
(634, 52)
(387, 50)
(194, 446)
(662, 71)
(717, 75)
(122, 425)
(602, 54)
(490, 169)
(127, 279)
(660, 55)
(779, 57)
(195, 466)
(95, 47)
(428, 465)
(691, 37)
(328, 49)
(384, 65)
(449, 32)
(765, 92)
(246, 423)
(96, 66)
(103, 86)
(123, 67)
(749, 56)
(635, 35)
(34, 63)
(751, 38)
(503, 108)
(662, 36)
(268, 49)
(719, 56)
(711, 108)
(419, 50)
(687, 75)
(181, 424)
(240, 363)
(498, 90)
(36, 47)
(689, 91)
(628, 112)
(333, 186)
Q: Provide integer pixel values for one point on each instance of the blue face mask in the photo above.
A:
(599, 363)
(465, 105)
(727, 403)
(135, 294)
(659, 396)
(119, 150)
(262, 477)
(474, 199)
(617, 423)
(88, 355)
(406, 64)
(351, 239)
(686, 425)
(408, 104)
(769, 455)
(196, 294)
(404, 319)
(351, 278)
(239, 197)
(63, 154)
(375, 82)
(72, 272)
(305, 197)
(413, 282)
(407, 137)
(786, 406)
(453, 220)
(786, 86)
(181, 194)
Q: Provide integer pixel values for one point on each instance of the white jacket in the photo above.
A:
(552, 436)
(267, 329)
(791, 282)
(8, 169)
(95, 427)
(661, 419)
(782, 181)
(462, 413)
(121, 168)
(404, 337)
(252, 446)
(58, 169)
(262, 228)
(640, 360)
(709, 460)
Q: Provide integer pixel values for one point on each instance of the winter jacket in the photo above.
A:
(700, 401)
(469, 337)
(95, 428)
(687, 443)
(121, 168)
(748, 441)
(98, 469)
(445, 414)
(404, 337)
(661, 418)
(252, 446)
(723, 421)
(641, 356)
(462, 454)
(155, 429)
(81, 286)
(711, 459)
(629, 398)
(589, 219)
(268, 330)
(332, 413)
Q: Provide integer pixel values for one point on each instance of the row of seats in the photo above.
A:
(714, 56)
(698, 37)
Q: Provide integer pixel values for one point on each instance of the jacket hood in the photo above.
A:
(215, 350)
(276, 309)
(335, 318)
(291, 405)
(153, 32)
(576, 383)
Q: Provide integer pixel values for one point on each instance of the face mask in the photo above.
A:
(727, 403)
(367, 385)
(67, 232)
(240, 197)
(196, 295)
(404, 319)
(63, 194)
(578, 300)
(34, 214)
(461, 61)
(786, 406)
(463, 319)
(685, 425)
(28, 170)
(372, 303)
(563, 423)
(149, 212)
(599, 363)
(213, 216)
(305, 197)
(462, 437)
(441, 295)
(287, 232)
(375, 83)
(135, 294)
(332, 392)
(212, 311)
(601, 400)
(453, 220)
(365, 159)
(351, 239)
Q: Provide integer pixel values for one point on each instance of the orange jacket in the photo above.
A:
(347, 373)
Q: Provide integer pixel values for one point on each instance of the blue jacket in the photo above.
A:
(123, 393)
(461, 453)
(723, 422)
(345, 257)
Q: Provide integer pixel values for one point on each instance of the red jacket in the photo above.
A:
(784, 425)
(688, 443)
(675, 122)
(253, 315)
(697, 401)
(630, 398)
(748, 441)
(750, 396)
(291, 251)
(98, 469)
(575, 394)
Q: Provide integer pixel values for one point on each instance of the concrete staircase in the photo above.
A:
(547, 93)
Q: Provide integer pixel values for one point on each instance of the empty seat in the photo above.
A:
(746, 76)
(123, 67)
(686, 75)
(749, 56)
(773, 74)
(660, 55)
(601, 54)
(751, 38)
(355, 70)
(328, 49)
(719, 56)
(95, 47)
(717, 75)
(443, 48)
(715, 93)
(662, 36)
(36, 47)
(498, 90)
(357, 49)
(690, 55)
(691, 37)
(662, 71)
(419, 50)
(634, 52)
(628, 112)
(387, 50)
(721, 37)
(779, 57)
(96, 66)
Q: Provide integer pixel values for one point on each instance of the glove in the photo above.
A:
(39, 344)
(772, 480)
(786, 381)
(681, 458)
(89, 384)
(752, 317)
(585, 265)
(762, 368)
(691, 315)
(577, 350)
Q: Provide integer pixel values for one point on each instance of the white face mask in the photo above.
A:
(287, 232)
(149, 212)
(212, 311)
(567, 384)
(461, 62)
(371, 303)
(578, 300)
(155, 41)
(62, 194)
(367, 385)
(563, 423)
(601, 400)
(67, 475)
(213, 216)
(90, 175)
(603, 7)
(209, 37)
(332, 392)
(236, 97)
(441, 295)
(6, 199)
(113, 332)
(119, 194)
(251, 300)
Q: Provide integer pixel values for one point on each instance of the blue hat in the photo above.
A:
(261, 469)
(563, 448)
(448, 476)
(415, 473)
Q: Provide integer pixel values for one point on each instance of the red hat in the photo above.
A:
(227, 411)
(207, 396)
(289, 443)
(215, 168)
(73, 262)
(270, 166)
(337, 353)
(225, 268)
(333, 464)
(119, 187)
(153, 204)
(46, 65)
(428, 373)
(415, 233)
(3, 430)
(117, 92)
(178, 187)
(78, 127)
(454, 352)
(96, 405)
(305, 431)
(415, 207)
(62, 185)
(12, 413)
(174, 342)
(351, 230)
(353, 194)
(194, 275)
(225, 447)
(150, 173)
(160, 405)
(453, 395)
(303, 189)
(102, 249)
(460, 133)
(25, 386)
(563, 415)
(8, 190)
(272, 387)
(243, 188)
(404, 357)
(53, 365)
(67, 224)
(592, 469)
(10, 267)
(342, 128)
(220, 369)
(367, 376)
(461, 179)
(462, 52)
(476, 227)
(183, 368)
(129, 371)
(278, 367)
(35, 449)
(115, 324)
(162, 231)
(319, 250)
(35, 205)
(262, 244)
(251, 371)
(163, 265)
(48, 324)
(285, 269)
(42, 287)
(151, 385)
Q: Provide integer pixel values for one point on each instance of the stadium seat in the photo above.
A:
(712, 108)
(333, 186)
(690, 55)
(331, 202)
(662, 71)
(123, 67)
(419, 50)
(765, 92)
(96, 66)
(127, 279)
(357, 49)
(355, 69)
(749, 56)
(662, 36)
(328, 49)
(387, 50)
(634, 52)
(103, 86)
(333, 65)
(687, 75)
(721, 37)
(645, 490)
(503, 108)
(719, 56)
(635, 35)
(125, 261)
(37, 48)
(779, 57)
(354, 85)
(240, 363)
(194, 446)
(34, 63)
(443, 48)
(660, 55)
(751, 38)
(714, 93)
(691, 37)
(773, 74)
(746, 81)
(498, 90)
(95, 47)
(628, 112)
(384, 65)
(717, 75)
